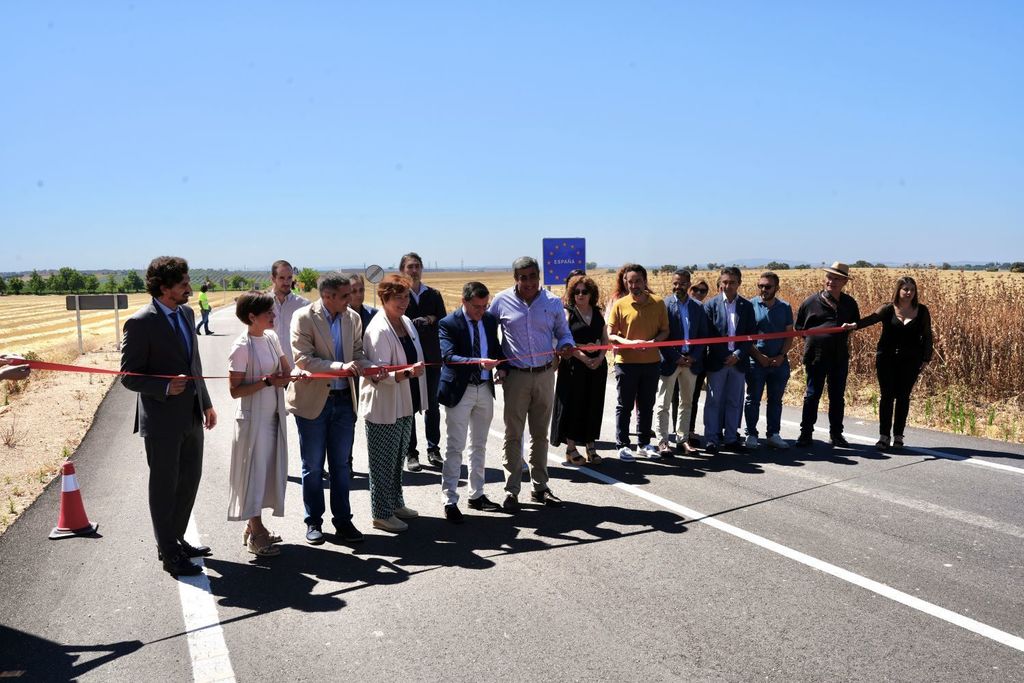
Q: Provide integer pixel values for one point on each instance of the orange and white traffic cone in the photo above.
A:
(73, 520)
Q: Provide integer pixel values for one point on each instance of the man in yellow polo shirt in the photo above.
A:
(635, 319)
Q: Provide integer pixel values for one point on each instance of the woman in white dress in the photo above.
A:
(258, 372)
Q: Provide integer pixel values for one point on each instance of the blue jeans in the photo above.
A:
(332, 433)
(758, 378)
(723, 406)
(205, 321)
(834, 370)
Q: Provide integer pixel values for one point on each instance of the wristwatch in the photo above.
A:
(266, 380)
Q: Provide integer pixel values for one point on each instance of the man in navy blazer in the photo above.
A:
(680, 365)
(470, 353)
(727, 363)
(170, 414)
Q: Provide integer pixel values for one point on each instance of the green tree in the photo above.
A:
(71, 280)
(802, 266)
(860, 263)
(237, 282)
(591, 265)
(777, 265)
(112, 285)
(91, 283)
(668, 268)
(36, 283)
(946, 266)
(16, 284)
(3, 285)
(133, 283)
(1017, 267)
(308, 278)
(55, 284)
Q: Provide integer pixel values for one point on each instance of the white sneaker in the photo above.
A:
(776, 441)
(626, 454)
(751, 442)
(650, 451)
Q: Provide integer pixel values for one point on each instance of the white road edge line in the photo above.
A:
(206, 646)
(990, 632)
(924, 451)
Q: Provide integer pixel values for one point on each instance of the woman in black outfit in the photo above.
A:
(904, 350)
(698, 292)
(579, 389)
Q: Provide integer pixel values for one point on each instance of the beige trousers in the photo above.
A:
(686, 380)
(529, 398)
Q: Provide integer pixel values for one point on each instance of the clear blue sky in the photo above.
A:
(338, 133)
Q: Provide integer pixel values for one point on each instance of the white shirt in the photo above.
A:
(730, 309)
(283, 313)
(477, 327)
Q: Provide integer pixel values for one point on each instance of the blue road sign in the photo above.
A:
(562, 256)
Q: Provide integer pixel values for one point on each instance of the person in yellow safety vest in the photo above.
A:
(204, 309)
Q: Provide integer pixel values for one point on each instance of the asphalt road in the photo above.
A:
(828, 564)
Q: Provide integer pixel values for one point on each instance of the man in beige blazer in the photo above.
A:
(327, 336)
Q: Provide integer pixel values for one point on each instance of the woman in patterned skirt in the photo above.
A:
(387, 403)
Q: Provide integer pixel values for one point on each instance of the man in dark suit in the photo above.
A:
(470, 353)
(680, 365)
(170, 414)
(727, 363)
(426, 308)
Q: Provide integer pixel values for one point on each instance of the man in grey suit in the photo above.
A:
(170, 414)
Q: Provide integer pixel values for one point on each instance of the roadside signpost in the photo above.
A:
(97, 302)
(373, 275)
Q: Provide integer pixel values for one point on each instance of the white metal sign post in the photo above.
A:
(97, 302)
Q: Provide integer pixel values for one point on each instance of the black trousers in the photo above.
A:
(637, 385)
(175, 467)
(896, 378)
(834, 370)
(432, 415)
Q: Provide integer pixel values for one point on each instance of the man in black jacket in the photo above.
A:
(827, 356)
(170, 414)
(426, 308)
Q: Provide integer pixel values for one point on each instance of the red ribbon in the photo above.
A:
(818, 331)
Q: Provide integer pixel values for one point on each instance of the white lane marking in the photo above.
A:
(924, 451)
(206, 646)
(954, 514)
(990, 632)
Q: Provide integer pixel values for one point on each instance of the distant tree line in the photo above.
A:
(68, 280)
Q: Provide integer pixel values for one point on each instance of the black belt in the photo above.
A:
(339, 392)
(539, 368)
(475, 379)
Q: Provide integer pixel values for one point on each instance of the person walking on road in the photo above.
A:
(769, 362)
(258, 372)
(170, 414)
(204, 310)
(471, 353)
(827, 356)
(904, 351)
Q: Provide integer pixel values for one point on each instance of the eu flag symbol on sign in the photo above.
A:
(562, 256)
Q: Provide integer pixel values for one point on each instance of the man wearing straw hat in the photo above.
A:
(827, 356)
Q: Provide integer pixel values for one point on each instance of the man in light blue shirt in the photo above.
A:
(769, 362)
(533, 329)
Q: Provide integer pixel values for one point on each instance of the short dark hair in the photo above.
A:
(682, 272)
(731, 270)
(524, 262)
(333, 281)
(411, 256)
(574, 272)
(770, 276)
(474, 290)
(393, 285)
(905, 280)
(165, 271)
(278, 264)
(204, 288)
(634, 268)
(252, 303)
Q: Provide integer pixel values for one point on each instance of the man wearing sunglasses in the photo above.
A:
(769, 362)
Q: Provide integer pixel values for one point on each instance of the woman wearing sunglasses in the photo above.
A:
(579, 389)
(698, 292)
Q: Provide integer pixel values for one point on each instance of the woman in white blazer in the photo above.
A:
(258, 371)
(387, 402)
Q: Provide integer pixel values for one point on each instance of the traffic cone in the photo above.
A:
(73, 520)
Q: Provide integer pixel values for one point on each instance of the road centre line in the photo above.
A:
(206, 647)
(970, 460)
(990, 632)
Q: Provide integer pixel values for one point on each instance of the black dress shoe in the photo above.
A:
(412, 463)
(194, 550)
(348, 532)
(483, 503)
(735, 447)
(839, 440)
(434, 458)
(711, 448)
(511, 504)
(804, 441)
(546, 497)
(314, 536)
(453, 514)
(180, 566)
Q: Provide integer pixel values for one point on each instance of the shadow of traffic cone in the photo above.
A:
(73, 520)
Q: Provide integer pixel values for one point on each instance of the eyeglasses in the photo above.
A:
(699, 290)
(580, 292)
(766, 286)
